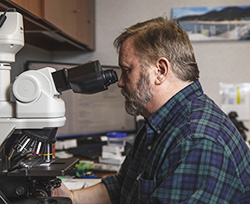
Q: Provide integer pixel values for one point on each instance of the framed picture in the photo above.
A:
(214, 23)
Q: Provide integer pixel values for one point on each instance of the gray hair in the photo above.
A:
(160, 37)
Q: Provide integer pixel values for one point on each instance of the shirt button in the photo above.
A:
(159, 132)
(149, 147)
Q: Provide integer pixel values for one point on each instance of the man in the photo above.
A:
(188, 151)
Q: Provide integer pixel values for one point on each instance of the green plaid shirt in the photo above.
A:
(187, 152)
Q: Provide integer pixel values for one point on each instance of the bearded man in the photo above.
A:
(188, 151)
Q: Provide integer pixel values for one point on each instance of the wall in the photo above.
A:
(28, 52)
(218, 61)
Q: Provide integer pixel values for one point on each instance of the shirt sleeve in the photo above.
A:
(114, 183)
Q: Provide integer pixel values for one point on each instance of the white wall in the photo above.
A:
(27, 53)
(218, 61)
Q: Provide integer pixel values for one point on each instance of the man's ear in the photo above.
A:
(162, 67)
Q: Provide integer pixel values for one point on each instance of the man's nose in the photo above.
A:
(120, 82)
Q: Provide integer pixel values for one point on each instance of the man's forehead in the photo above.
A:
(123, 62)
(127, 47)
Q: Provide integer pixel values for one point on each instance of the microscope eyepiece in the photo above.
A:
(85, 79)
(110, 77)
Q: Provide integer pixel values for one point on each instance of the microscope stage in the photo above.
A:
(59, 167)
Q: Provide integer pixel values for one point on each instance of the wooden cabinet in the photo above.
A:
(74, 17)
(33, 6)
(57, 24)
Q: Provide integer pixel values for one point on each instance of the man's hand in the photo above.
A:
(96, 194)
(62, 192)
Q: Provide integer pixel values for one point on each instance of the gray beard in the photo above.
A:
(136, 102)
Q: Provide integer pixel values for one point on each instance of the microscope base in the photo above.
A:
(42, 200)
(34, 184)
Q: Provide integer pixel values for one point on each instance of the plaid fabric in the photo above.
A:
(187, 152)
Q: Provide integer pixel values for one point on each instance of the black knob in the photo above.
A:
(20, 190)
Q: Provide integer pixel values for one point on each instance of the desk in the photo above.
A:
(101, 170)
(78, 183)
(115, 168)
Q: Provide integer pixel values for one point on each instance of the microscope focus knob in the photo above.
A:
(20, 190)
(26, 88)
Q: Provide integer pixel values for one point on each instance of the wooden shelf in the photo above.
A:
(41, 33)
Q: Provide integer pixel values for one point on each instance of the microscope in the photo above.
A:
(31, 111)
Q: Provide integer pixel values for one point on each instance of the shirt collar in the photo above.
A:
(165, 114)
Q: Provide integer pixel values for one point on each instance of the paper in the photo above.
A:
(65, 144)
(63, 154)
(75, 184)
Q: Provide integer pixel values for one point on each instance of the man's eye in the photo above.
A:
(126, 70)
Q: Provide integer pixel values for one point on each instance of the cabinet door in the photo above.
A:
(74, 17)
(33, 6)
(58, 13)
(85, 18)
